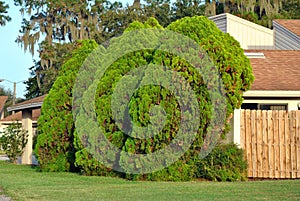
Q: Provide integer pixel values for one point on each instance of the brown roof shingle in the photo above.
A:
(292, 25)
(279, 70)
(3, 100)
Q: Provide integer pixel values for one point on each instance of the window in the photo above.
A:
(263, 106)
(272, 106)
(249, 106)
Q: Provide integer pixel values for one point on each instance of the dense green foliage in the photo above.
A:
(3, 13)
(237, 77)
(225, 52)
(224, 163)
(13, 141)
(54, 149)
(57, 140)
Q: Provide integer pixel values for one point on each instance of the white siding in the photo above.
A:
(248, 34)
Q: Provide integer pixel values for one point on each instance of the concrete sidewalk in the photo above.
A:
(3, 158)
(4, 198)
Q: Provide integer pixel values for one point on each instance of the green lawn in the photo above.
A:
(24, 183)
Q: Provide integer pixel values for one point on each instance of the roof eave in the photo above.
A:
(25, 106)
(272, 94)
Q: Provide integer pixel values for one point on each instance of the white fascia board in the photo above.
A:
(257, 55)
(220, 16)
(275, 94)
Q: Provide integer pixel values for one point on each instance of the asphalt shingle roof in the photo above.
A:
(279, 70)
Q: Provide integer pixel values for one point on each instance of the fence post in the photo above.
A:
(237, 127)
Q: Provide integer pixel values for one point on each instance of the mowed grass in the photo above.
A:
(25, 183)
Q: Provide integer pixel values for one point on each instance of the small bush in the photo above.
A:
(224, 163)
(13, 141)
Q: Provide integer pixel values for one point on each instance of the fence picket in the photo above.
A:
(248, 143)
(293, 143)
(270, 132)
(259, 143)
(297, 144)
(281, 134)
(253, 143)
(271, 140)
(265, 144)
(276, 144)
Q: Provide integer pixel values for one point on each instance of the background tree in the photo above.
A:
(42, 77)
(160, 10)
(187, 8)
(64, 22)
(56, 25)
(3, 13)
(291, 9)
(61, 21)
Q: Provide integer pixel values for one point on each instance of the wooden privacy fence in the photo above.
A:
(271, 140)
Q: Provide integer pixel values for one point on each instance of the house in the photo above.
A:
(17, 117)
(284, 36)
(29, 111)
(275, 59)
(277, 81)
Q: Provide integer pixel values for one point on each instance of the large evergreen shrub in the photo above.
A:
(54, 148)
(237, 77)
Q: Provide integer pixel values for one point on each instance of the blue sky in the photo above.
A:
(15, 63)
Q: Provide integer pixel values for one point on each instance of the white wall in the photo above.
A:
(250, 35)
